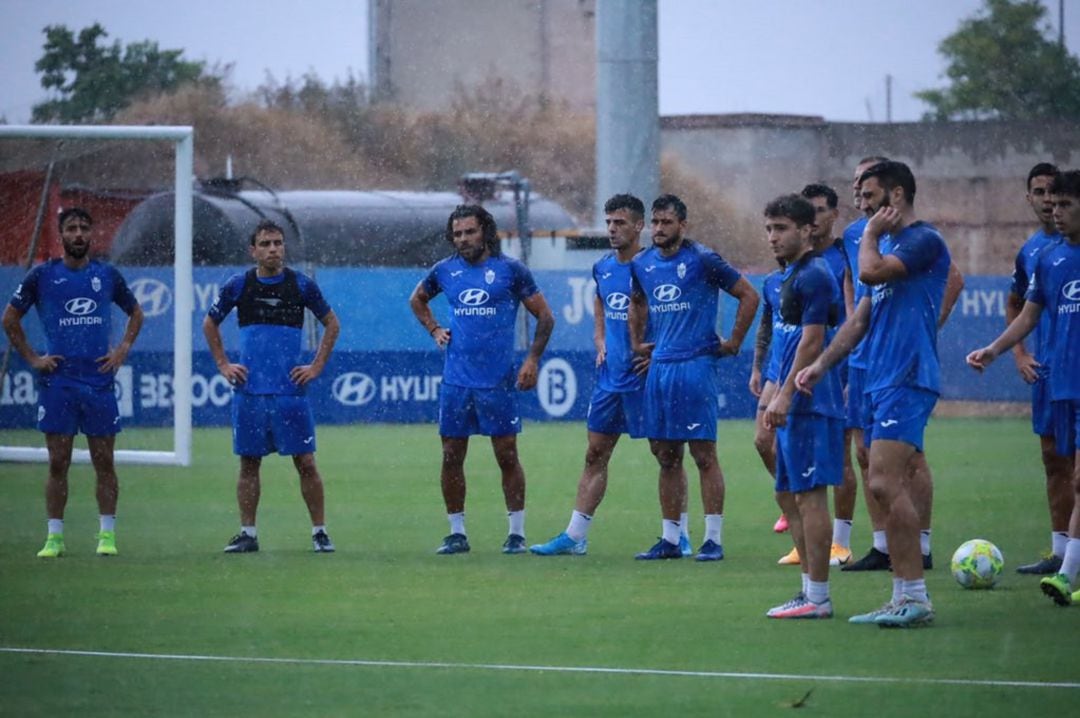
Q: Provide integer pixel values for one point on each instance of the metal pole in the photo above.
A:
(888, 98)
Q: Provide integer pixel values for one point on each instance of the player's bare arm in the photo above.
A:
(545, 323)
(847, 337)
(305, 373)
(810, 345)
(12, 321)
(116, 357)
(235, 373)
(419, 302)
(748, 299)
(849, 293)
(599, 335)
(954, 284)
(637, 320)
(873, 267)
(1017, 330)
(1025, 360)
(762, 340)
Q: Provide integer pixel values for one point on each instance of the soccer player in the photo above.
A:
(905, 263)
(477, 395)
(675, 297)
(73, 296)
(1033, 368)
(763, 374)
(270, 410)
(1055, 289)
(616, 404)
(809, 429)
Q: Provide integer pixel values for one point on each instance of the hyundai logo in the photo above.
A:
(80, 306)
(353, 388)
(153, 296)
(1072, 290)
(473, 297)
(667, 293)
(618, 301)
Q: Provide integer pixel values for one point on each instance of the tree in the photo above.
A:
(1004, 64)
(94, 81)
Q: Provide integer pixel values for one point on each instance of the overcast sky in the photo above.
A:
(813, 57)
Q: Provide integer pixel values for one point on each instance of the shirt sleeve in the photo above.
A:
(919, 250)
(1038, 280)
(122, 295)
(313, 296)
(635, 286)
(816, 295)
(26, 294)
(431, 283)
(718, 272)
(1020, 279)
(524, 285)
(226, 299)
(596, 280)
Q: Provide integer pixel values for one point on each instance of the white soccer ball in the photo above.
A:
(977, 564)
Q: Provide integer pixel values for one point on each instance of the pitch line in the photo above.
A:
(542, 669)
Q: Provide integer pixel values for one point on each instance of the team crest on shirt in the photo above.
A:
(489, 276)
(681, 270)
(95, 282)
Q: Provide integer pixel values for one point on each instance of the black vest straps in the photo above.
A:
(280, 303)
(791, 308)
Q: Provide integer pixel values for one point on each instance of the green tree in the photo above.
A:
(1005, 64)
(92, 81)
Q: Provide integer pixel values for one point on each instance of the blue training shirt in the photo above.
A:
(1023, 269)
(902, 342)
(815, 295)
(74, 306)
(681, 291)
(1056, 287)
(269, 351)
(852, 237)
(613, 287)
(483, 301)
(836, 259)
(770, 305)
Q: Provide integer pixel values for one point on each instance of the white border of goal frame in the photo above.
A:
(184, 144)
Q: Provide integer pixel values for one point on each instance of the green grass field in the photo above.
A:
(294, 620)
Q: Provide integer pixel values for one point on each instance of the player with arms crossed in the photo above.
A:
(675, 297)
(906, 264)
(74, 296)
(809, 429)
(1055, 289)
(270, 410)
(478, 392)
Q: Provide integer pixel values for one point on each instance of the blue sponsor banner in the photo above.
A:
(386, 369)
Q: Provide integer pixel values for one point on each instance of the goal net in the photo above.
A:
(109, 171)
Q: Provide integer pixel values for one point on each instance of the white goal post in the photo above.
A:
(183, 143)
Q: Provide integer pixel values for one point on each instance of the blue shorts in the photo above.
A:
(68, 409)
(899, 413)
(857, 404)
(681, 400)
(1066, 415)
(464, 411)
(265, 423)
(617, 412)
(1042, 415)
(809, 453)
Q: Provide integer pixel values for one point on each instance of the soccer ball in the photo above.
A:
(977, 564)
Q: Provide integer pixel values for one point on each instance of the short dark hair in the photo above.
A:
(672, 203)
(485, 220)
(792, 206)
(66, 214)
(892, 174)
(1066, 183)
(872, 159)
(625, 201)
(1043, 169)
(266, 225)
(821, 190)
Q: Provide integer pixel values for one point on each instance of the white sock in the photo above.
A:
(457, 523)
(578, 529)
(841, 532)
(1058, 541)
(107, 522)
(880, 543)
(684, 525)
(924, 542)
(916, 589)
(517, 522)
(897, 590)
(1070, 565)
(817, 591)
(56, 526)
(714, 527)
(317, 529)
(671, 531)
(805, 582)
(249, 530)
